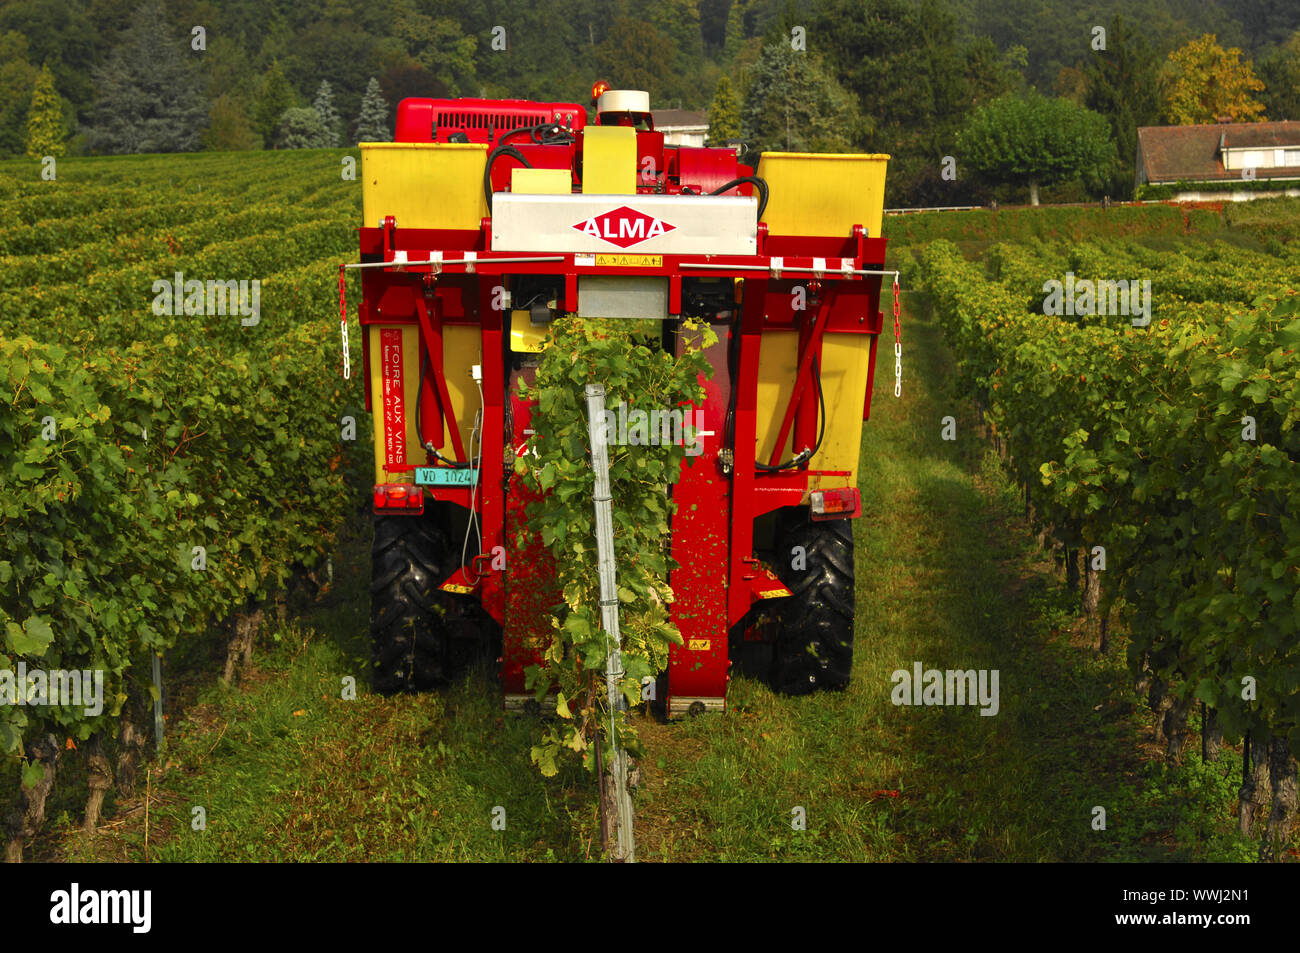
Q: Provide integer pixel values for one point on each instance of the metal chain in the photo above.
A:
(343, 327)
(898, 344)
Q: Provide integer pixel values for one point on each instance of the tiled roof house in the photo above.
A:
(1221, 152)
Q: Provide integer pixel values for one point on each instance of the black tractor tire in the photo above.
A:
(421, 637)
(814, 643)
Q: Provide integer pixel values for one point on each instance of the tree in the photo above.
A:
(990, 73)
(1071, 83)
(1036, 141)
(439, 45)
(917, 77)
(724, 114)
(150, 91)
(372, 123)
(1280, 72)
(735, 32)
(71, 37)
(229, 129)
(340, 50)
(636, 55)
(45, 118)
(17, 80)
(1205, 82)
(275, 96)
(1123, 84)
(679, 22)
(229, 69)
(795, 105)
(406, 80)
(329, 116)
(302, 128)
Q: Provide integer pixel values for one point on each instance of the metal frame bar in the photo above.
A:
(801, 379)
(431, 329)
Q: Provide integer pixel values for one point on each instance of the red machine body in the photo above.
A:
(722, 492)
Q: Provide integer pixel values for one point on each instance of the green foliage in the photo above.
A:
(302, 128)
(724, 114)
(229, 128)
(372, 123)
(1123, 84)
(228, 63)
(45, 118)
(1063, 224)
(17, 80)
(917, 67)
(795, 105)
(734, 35)
(636, 371)
(123, 449)
(323, 104)
(150, 91)
(438, 43)
(1280, 73)
(275, 96)
(1135, 439)
(636, 55)
(679, 22)
(916, 77)
(1035, 140)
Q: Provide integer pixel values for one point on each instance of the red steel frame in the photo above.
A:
(714, 523)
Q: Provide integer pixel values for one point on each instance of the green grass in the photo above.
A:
(286, 769)
(948, 575)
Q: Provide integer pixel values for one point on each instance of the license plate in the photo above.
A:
(445, 476)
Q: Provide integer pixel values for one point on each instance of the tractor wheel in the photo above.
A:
(814, 644)
(421, 637)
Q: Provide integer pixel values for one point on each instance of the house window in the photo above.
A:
(1252, 159)
(1292, 157)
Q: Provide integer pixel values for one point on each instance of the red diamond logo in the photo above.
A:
(624, 227)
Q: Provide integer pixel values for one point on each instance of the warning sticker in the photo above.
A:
(698, 645)
(630, 261)
(390, 360)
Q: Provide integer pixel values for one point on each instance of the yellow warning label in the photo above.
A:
(699, 645)
(775, 594)
(456, 587)
(630, 261)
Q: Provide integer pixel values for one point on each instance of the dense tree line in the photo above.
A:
(899, 76)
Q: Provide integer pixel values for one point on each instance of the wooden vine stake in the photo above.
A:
(157, 704)
(615, 801)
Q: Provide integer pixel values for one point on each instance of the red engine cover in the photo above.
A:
(481, 120)
(707, 169)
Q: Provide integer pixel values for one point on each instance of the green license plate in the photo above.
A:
(445, 476)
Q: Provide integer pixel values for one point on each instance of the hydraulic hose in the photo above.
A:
(419, 424)
(805, 455)
(495, 154)
(752, 180)
(542, 134)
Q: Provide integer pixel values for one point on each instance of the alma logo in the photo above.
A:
(624, 227)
